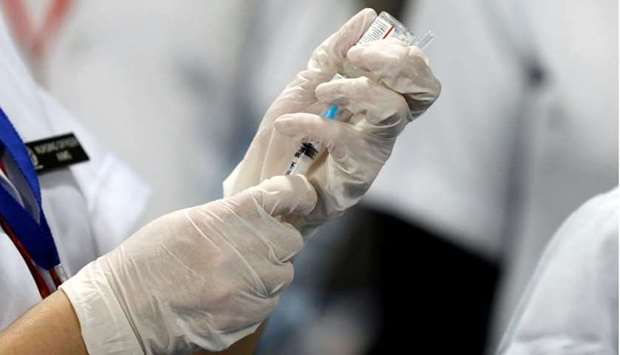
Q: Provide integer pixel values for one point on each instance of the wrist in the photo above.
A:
(105, 327)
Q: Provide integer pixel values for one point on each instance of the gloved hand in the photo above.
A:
(398, 85)
(203, 277)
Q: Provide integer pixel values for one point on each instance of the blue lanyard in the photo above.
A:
(36, 237)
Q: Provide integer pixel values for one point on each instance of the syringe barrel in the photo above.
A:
(303, 158)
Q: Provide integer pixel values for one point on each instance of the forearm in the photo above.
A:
(51, 327)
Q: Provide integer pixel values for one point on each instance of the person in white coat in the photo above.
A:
(92, 205)
(526, 130)
(571, 303)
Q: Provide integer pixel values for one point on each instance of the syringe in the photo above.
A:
(384, 26)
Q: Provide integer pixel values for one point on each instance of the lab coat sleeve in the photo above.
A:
(115, 195)
(571, 304)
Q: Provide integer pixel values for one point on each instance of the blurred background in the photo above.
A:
(435, 258)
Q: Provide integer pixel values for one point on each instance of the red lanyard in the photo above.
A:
(39, 280)
(55, 272)
(35, 42)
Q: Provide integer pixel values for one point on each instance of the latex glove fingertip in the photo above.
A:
(300, 124)
(286, 195)
(356, 51)
(418, 52)
(286, 126)
(329, 92)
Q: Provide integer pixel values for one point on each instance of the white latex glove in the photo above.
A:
(398, 85)
(202, 277)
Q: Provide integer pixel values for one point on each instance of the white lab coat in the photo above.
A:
(571, 303)
(500, 161)
(90, 207)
